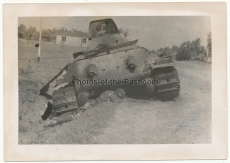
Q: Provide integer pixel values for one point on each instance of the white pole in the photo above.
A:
(40, 36)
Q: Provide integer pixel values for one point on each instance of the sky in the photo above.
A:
(153, 32)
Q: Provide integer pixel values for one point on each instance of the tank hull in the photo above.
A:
(149, 79)
(111, 62)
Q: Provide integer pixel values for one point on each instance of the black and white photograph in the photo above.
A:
(115, 80)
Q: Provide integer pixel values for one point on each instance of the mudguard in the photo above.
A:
(54, 83)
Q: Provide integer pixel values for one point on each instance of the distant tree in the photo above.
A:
(175, 48)
(53, 34)
(31, 33)
(153, 51)
(197, 46)
(46, 35)
(184, 52)
(36, 35)
(22, 31)
(203, 51)
(209, 44)
(160, 50)
(166, 49)
(189, 50)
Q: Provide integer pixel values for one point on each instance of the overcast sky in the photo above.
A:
(153, 32)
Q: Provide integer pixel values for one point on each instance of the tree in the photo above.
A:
(22, 31)
(184, 52)
(203, 51)
(175, 48)
(166, 49)
(197, 46)
(160, 50)
(31, 33)
(209, 44)
(46, 35)
(191, 50)
(53, 34)
(153, 51)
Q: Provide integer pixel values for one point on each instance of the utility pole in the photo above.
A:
(40, 36)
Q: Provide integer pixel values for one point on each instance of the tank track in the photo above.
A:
(64, 100)
(168, 83)
(167, 87)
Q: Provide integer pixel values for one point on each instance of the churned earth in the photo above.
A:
(186, 120)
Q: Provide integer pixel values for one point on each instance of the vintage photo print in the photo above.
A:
(117, 81)
(140, 77)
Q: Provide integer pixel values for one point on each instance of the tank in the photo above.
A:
(111, 61)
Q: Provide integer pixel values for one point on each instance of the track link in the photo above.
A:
(168, 86)
(64, 100)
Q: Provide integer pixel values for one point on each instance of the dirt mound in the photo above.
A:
(30, 105)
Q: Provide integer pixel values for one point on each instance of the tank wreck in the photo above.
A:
(111, 62)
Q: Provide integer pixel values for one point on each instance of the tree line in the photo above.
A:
(186, 51)
(189, 50)
(31, 33)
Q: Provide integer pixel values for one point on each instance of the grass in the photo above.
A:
(32, 76)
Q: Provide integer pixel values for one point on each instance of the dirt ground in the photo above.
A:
(186, 120)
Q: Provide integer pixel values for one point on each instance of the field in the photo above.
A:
(186, 120)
